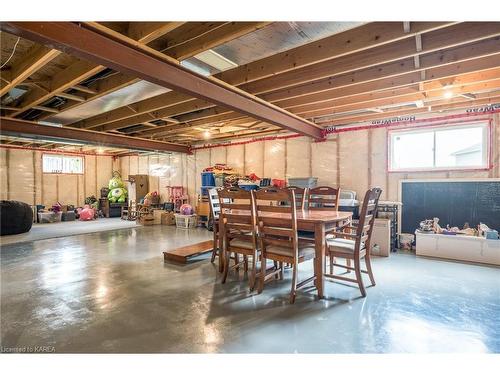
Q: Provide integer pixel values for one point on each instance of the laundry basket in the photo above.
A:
(186, 221)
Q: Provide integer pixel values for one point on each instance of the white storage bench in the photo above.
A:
(457, 247)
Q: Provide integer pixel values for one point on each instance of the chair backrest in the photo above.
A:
(367, 217)
(276, 230)
(234, 225)
(323, 198)
(300, 196)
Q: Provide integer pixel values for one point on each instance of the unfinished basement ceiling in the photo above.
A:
(277, 37)
(272, 39)
(138, 91)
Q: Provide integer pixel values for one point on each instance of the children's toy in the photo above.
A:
(117, 191)
(186, 209)
(86, 213)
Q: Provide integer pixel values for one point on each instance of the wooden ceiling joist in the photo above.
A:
(90, 45)
(32, 61)
(146, 32)
(22, 128)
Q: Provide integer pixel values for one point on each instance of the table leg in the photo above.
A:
(319, 260)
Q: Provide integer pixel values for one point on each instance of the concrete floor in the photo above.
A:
(67, 228)
(111, 292)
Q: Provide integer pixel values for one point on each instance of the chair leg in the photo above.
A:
(253, 274)
(332, 260)
(216, 247)
(227, 257)
(245, 263)
(348, 263)
(282, 270)
(262, 275)
(359, 278)
(276, 267)
(293, 292)
(236, 261)
(368, 263)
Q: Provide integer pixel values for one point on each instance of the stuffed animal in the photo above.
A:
(117, 191)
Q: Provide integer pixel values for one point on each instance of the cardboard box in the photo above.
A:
(168, 218)
(381, 238)
(157, 214)
(146, 219)
(203, 209)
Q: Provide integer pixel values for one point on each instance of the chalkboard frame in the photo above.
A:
(431, 180)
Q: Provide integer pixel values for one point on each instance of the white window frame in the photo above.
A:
(486, 125)
(62, 156)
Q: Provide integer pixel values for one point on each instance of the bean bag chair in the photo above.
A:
(15, 217)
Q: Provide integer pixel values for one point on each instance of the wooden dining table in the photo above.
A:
(319, 222)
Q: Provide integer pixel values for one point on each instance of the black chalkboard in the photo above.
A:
(453, 202)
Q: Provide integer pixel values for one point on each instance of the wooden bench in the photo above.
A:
(182, 254)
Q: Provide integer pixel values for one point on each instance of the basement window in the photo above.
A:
(450, 147)
(62, 164)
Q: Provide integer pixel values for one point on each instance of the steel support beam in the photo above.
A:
(78, 40)
(28, 129)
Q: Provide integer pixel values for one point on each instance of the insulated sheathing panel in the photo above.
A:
(68, 189)
(21, 176)
(38, 177)
(236, 157)
(254, 158)
(154, 170)
(133, 165)
(298, 157)
(90, 176)
(176, 170)
(274, 159)
(324, 161)
(51, 186)
(4, 171)
(354, 161)
(81, 192)
(124, 166)
(378, 161)
(218, 155)
(164, 177)
(143, 165)
(104, 172)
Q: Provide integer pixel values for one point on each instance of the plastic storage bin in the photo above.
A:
(207, 179)
(205, 189)
(303, 182)
(49, 217)
(249, 187)
(186, 221)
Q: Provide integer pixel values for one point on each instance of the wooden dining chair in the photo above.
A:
(323, 198)
(300, 196)
(238, 234)
(356, 244)
(213, 198)
(278, 239)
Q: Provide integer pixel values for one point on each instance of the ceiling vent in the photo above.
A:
(216, 60)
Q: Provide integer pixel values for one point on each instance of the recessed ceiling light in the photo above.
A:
(216, 60)
(206, 134)
(448, 94)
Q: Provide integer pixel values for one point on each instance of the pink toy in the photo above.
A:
(86, 213)
(186, 209)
